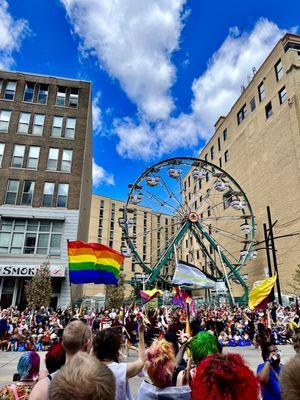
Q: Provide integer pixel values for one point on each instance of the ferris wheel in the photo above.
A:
(201, 216)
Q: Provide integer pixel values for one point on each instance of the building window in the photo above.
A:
(33, 157)
(225, 134)
(278, 70)
(241, 114)
(38, 124)
(212, 152)
(12, 191)
(269, 111)
(52, 159)
(219, 143)
(61, 96)
(220, 162)
(226, 155)
(62, 194)
(24, 122)
(48, 194)
(10, 90)
(2, 147)
(18, 156)
(27, 195)
(73, 99)
(282, 95)
(4, 120)
(66, 162)
(70, 128)
(30, 236)
(57, 126)
(252, 104)
(29, 92)
(42, 94)
(261, 92)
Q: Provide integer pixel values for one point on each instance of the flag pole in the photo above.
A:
(70, 284)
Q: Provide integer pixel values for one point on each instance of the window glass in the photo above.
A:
(24, 122)
(2, 147)
(48, 194)
(226, 156)
(10, 90)
(66, 162)
(62, 196)
(57, 126)
(261, 92)
(73, 100)
(268, 109)
(42, 94)
(42, 244)
(52, 159)
(4, 120)
(45, 225)
(18, 156)
(70, 128)
(278, 70)
(57, 226)
(17, 243)
(30, 241)
(12, 191)
(282, 95)
(61, 96)
(33, 157)
(225, 135)
(38, 124)
(55, 244)
(27, 194)
(252, 104)
(29, 92)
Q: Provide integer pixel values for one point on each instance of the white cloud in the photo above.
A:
(11, 34)
(97, 116)
(133, 40)
(218, 88)
(215, 91)
(101, 177)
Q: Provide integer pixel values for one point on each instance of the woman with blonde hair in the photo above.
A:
(160, 366)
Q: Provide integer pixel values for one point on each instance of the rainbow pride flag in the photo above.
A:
(93, 263)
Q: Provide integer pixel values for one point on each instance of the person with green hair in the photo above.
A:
(200, 346)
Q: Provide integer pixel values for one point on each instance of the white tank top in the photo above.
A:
(122, 386)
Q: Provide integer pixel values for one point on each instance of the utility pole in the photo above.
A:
(274, 254)
(266, 237)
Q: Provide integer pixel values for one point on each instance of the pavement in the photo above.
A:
(252, 356)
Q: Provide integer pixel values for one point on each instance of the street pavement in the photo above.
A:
(252, 356)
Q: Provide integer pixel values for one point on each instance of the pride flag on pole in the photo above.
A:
(148, 295)
(93, 263)
(258, 297)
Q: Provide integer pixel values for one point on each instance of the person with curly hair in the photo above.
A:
(160, 366)
(224, 377)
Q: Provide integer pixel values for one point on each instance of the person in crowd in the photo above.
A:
(106, 347)
(269, 372)
(296, 340)
(160, 366)
(290, 379)
(77, 336)
(28, 370)
(83, 378)
(224, 377)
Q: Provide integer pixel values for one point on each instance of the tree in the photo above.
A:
(114, 294)
(38, 290)
(295, 285)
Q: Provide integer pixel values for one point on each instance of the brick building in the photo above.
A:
(45, 178)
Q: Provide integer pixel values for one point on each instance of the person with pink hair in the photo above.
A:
(160, 366)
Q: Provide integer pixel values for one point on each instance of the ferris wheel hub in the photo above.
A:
(193, 217)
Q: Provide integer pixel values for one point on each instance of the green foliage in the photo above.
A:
(295, 285)
(38, 290)
(114, 295)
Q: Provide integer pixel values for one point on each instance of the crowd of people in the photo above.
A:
(179, 356)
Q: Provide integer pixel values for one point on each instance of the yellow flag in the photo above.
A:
(258, 294)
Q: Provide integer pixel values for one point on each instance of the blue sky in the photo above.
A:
(162, 70)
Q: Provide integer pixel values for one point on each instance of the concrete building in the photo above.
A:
(45, 178)
(258, 144)
(150, 234)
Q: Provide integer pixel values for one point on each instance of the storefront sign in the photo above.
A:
(57, 271)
